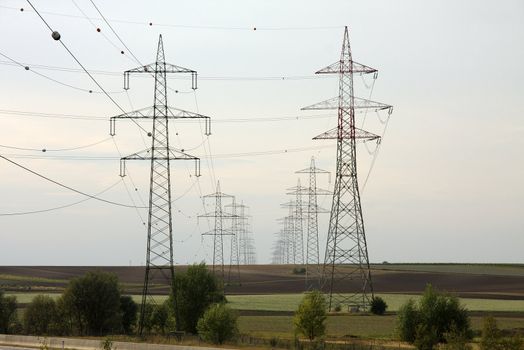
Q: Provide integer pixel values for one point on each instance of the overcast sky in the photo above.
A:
(447, 185)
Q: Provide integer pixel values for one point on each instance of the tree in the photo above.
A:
(435, 315)
(128, 310)
(196, 290)
(93, 301)
(218, 324)
(162, 319)
(310, 317)
(407, 320)
(378, 306)
(7, 312)
(41, 316)
(492, 338)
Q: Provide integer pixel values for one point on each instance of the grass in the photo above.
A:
(363, 326)
(289, 302)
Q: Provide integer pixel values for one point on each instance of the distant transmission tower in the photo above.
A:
(243, 234)
(298, 219)
(313, 272)
(346, 258)
(233, 274)
(218, 232)
(159, 253)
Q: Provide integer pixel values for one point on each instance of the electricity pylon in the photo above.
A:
(236, 231)
(159, 253)
(313, 273)
(293, 228)
(298, 218)
(243, 233)
(346, 258)
(218, 232)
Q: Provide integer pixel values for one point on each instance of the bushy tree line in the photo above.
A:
(436, 318)
(94, 305)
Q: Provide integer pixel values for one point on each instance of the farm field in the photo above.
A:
(498, 281)
(289, 302)
(269, 294)
(344, 326)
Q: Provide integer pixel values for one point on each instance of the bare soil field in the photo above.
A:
(466, 280)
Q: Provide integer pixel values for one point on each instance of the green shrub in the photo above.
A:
(7, 313)
(378, 306)
(299, 270)
(492, 338)
(436, 314)
(218, 324)
(196, 290)
(129, 312)
(93, 302)
(310, 317)
(41, 316)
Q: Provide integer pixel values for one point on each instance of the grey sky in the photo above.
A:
(447, 184)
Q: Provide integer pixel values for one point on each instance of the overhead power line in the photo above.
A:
(81, 65)
(59, 207)
(204, 77)
(185, 26)
(245, 119)
(66, 186)
(223, 155)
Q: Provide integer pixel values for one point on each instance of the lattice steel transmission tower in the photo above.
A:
(346, 264)
(233, 274)
(219, 230)
(245, 257)
(313, 272)
(159, 253)
(297, 214)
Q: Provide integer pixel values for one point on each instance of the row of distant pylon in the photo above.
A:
(289, 246)
(231, 220)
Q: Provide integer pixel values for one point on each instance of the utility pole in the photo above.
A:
(159, 253)
(346, 259)
(218, 231)
(313, 273)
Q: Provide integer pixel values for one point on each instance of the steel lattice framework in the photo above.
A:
(233, 277)
(159, 253)
(346, 263)
(219, 230)
(313, 272)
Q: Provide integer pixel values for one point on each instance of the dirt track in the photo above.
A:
(269, 279)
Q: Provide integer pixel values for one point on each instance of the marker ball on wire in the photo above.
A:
(26, 68)
(149, 134)
(56, 35)
(98, 30)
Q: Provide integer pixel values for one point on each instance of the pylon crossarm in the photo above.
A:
(359, 103)
(161, 68)
(148, 113)
(360, 135)
(213, 214)
(213, 233)
(339, 67)
(146, 155)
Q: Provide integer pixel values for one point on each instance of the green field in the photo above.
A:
(365, 326)
(289, 302)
